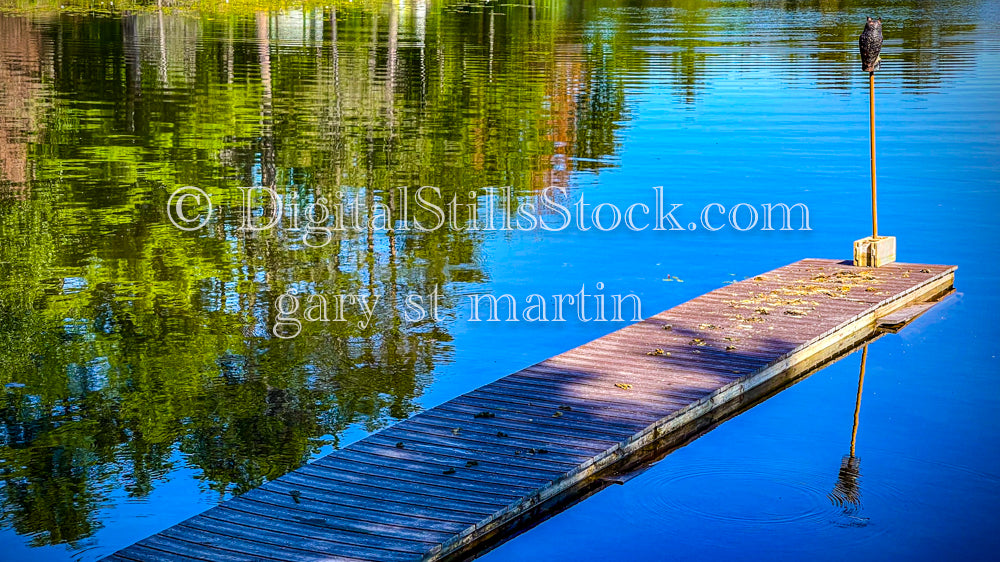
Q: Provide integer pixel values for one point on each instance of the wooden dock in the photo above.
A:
(457, 478)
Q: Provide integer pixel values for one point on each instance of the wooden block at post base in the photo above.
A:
(875, 251)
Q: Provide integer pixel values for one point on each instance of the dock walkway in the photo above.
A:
(455, 478)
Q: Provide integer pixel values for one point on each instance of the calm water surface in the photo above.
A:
(140, 380)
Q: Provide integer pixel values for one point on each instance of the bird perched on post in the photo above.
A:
(871, 45)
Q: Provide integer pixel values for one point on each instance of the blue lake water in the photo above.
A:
(143, 382)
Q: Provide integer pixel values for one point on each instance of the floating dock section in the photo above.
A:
(455, 479)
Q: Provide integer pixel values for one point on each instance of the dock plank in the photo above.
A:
(445, 482)
(282, 503)
(332, 496)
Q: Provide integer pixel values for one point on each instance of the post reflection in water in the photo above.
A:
(847, 491)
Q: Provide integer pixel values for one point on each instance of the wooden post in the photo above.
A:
(874, 251)
(871, 112)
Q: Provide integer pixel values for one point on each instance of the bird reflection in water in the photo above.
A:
(846, 492)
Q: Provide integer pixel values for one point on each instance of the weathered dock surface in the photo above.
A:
(463, 474)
